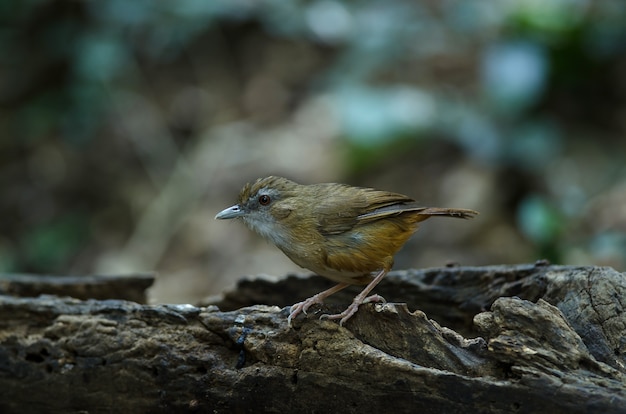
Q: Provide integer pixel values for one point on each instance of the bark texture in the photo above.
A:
(500, 339)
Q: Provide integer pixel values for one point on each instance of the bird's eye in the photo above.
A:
(264, 200)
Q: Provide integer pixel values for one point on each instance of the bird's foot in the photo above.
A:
(319, 298)
(345, 315)
(302, 307)
(374, 299)
(351, 310)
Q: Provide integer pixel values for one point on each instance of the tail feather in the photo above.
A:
(420, 213)
(449, 212)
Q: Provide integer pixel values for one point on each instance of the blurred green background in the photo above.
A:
(127, 125)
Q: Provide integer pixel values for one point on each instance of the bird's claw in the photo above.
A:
(351, 310)
(374, 299)
(345, 315)
(302, 307)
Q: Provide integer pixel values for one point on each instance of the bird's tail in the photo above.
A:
(449, 212)
(417, 213)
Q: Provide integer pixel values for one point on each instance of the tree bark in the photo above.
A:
(127, 287)
(499, 339)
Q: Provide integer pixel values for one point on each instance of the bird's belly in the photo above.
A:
(343, 276)
(317, 262)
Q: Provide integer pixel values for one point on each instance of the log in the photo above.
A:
(496, 339)
(127, 287)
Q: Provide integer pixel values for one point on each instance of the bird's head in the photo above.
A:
(265, 207)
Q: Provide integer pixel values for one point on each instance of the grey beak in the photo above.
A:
(230, 212)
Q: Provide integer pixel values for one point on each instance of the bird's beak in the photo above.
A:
(230, 212)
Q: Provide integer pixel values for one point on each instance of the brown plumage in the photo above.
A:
(338, 231)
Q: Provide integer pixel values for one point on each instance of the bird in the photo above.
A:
(344, 233)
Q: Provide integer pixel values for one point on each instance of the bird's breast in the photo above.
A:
(345, 257)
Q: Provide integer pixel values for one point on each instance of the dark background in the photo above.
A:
(127, 125)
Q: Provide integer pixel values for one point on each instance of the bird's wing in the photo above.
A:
(350, 206)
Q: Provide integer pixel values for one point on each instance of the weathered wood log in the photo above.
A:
(127, 287)
(552, 340)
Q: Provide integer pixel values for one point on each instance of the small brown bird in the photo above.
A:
(340, 232)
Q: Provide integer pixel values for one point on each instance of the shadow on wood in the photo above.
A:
(501, 339)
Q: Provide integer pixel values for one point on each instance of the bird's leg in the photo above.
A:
(360, 299)
(318, 298)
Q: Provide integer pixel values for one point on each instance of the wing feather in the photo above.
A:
(350, 206)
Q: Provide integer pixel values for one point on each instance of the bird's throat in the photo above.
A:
(272, 232)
